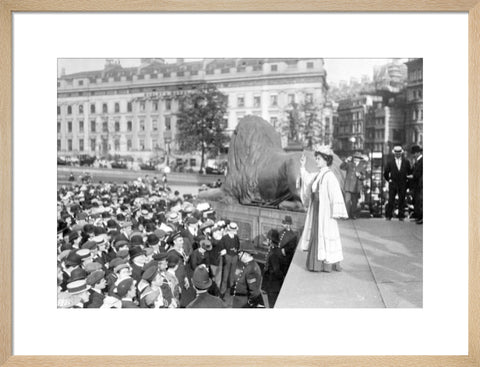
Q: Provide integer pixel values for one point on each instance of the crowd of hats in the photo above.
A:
(102, 229)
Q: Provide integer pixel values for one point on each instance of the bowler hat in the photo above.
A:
(274, 236)
(152, 239)
(206, 244)
(416, 149)
(136, 251)
(77, 274)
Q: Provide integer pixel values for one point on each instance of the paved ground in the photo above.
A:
(383, 268)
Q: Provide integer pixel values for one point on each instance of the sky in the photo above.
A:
(337, 69)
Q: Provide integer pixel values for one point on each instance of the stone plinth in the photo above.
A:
(254, 223)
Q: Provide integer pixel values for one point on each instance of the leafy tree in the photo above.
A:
(201, 121)
(303, 124)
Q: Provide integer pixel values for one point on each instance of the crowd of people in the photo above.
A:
(140, 245)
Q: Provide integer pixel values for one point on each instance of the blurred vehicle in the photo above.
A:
(215, 167)
(119, 164)
(149, 166)
(61, 161)
(86, 160)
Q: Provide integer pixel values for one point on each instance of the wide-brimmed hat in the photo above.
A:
(397, 149)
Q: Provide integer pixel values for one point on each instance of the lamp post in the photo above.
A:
(353, 140)
(201, 103)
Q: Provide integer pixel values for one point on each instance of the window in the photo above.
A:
(274, 100)
(240, 101)
(92, 108)
(154, 144)
(69, 110)
(256, 101)
(129, 107)
(117, 126)
(92, 145)
(154, 125)
(414, 116)
(168, 104)
(58, 110)
(117, 145)
(105, 126)
(142, 106)
(59, 127)
(273, 121)
(310, 65)
(291, 98)
(80, 82)
(104, 108)
(155, 106)
(59, 144)
(309, 98)
(142, 144)
(93, 126)
(70, 145)
(117, 107)
(420, 94)
(129, 125)
(80, 109)
(80, 126)
(80, 145)
(69, 124)
(168, 123)
(142, 125)
(129, 144)
(274, 68)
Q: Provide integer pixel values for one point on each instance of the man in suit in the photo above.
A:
(417, 184)
(395, 173)
(355, 174)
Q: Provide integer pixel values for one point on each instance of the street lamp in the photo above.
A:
(201, 103)
(353, 140)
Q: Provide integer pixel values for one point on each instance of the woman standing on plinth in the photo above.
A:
(321, 192)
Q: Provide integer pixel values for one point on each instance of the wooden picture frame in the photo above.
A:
(8, 7)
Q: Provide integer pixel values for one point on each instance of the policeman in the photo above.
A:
(247, 291)
(288, 243)
(202, 282)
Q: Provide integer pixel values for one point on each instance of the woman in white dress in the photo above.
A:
(321, 192)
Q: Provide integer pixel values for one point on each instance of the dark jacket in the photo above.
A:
(205, 300)
(95, 300)
(352, 182)
(398, 178)
(418, 174)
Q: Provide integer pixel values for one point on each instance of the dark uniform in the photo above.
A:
(206, 300)
(95, 300)
(288, 243)
(247, 288)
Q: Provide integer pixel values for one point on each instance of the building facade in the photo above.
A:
(414, 107)
(353, 116)
(132, 111)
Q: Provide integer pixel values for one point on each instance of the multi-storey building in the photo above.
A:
(385, 126)
(353, 115)
(414, 107)
(132, 111)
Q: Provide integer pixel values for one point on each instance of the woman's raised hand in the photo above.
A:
(303, 160)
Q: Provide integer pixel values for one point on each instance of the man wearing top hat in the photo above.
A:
(353, 184)
(396, 171)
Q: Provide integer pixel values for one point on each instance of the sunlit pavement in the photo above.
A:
(382, 268)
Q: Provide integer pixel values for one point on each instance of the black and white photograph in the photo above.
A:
(240, 183)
